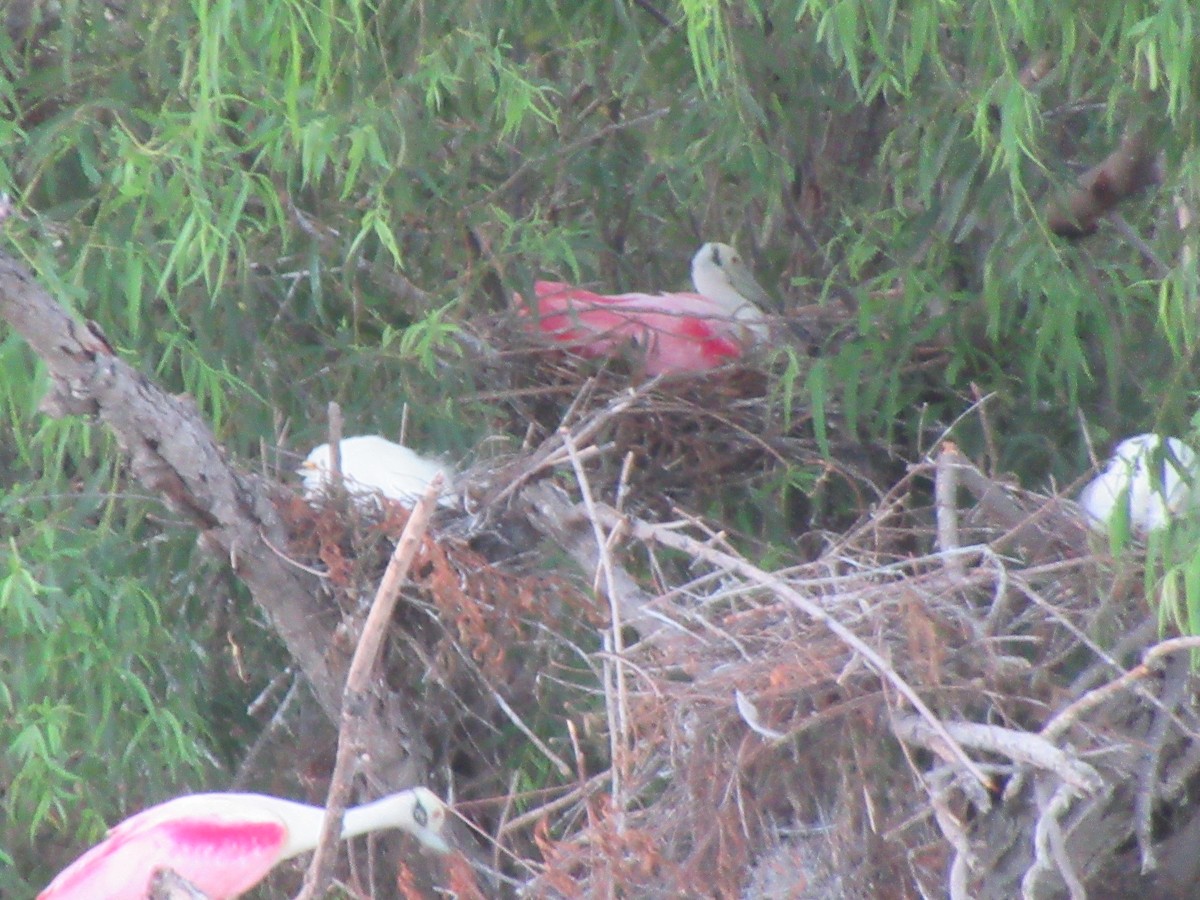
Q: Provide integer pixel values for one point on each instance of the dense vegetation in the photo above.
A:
(272, 206)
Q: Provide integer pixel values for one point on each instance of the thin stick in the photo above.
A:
(945, 493)
(246, 766)
(618, 706)
(1151, 662)
(356, 696)
(574, 795)
(335, 443)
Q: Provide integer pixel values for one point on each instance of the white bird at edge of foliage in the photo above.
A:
(373, 466)
(224, 844)
(1152, 478)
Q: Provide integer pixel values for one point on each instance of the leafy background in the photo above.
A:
(271, 206)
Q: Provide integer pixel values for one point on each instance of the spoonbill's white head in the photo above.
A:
(719, 273)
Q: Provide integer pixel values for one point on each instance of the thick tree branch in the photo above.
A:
(172, 452)
(1132, 166)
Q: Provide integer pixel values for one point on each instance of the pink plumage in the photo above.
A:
(681, 332)
(224, 844)
(220, 849)
(678, 332)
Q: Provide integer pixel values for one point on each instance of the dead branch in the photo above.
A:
(1158, 734)
(359, 691)
(1019, 746)
(946, 510)
(1051, 852)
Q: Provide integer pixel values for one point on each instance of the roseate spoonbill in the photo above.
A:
(373, 465)
(225, 844)
(681, 332)
(1153, 478)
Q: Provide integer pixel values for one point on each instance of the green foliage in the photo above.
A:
(91, 661)
(227, 187)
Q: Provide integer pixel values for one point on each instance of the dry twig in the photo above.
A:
(358, 693)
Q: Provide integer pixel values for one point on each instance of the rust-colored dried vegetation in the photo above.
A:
(631, 701)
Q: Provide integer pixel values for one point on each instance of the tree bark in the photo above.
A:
(1131, 167)
(172, 452)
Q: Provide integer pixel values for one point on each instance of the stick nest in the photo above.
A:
(961, 697)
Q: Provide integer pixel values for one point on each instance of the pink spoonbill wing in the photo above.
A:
(225, 843)
(221, 852)
(680, 332)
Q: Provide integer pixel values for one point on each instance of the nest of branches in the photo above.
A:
(959, 694)
(466, 639)
(991, 716)
(684, 440)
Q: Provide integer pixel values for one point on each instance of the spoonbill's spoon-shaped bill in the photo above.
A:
(1154, 478)
(373, 465)
(224, 844)
(680, 332)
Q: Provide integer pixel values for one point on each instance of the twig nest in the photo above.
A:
(1149, 478)
(374, 467)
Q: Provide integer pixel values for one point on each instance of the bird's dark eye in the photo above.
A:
(716, 256)
(420, 815)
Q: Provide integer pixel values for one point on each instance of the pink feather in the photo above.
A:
(224, 844)
(220, 850)
(680, 332)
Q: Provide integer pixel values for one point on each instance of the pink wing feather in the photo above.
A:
(223, 852)
(680, 332)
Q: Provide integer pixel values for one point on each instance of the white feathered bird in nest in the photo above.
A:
(372, 467)
(1153, 477)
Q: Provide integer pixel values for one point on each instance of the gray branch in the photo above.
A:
(172, 452)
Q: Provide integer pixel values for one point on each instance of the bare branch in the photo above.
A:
(1134, 165)
(945, 488)
(358, 693)
(1051, 852)
(1019, 746)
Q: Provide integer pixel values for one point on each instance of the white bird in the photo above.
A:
(1153, 480)
(373, 466)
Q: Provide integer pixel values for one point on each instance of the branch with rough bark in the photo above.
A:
(172, 452)
(1131, 167)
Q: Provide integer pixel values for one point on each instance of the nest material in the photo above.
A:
(680, 440)
(465, 633)
(1044, 759)
(946, 699)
